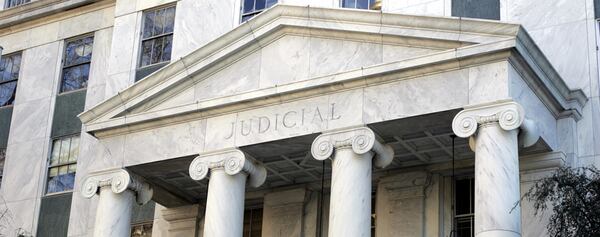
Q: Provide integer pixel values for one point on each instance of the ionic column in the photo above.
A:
(229, 170)
(117, 190)
(350, 205)
(494, 132)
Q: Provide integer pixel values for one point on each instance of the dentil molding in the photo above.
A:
(361, 140)
(233, 161)
(118, 180)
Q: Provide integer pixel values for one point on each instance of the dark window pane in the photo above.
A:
(61, 182)
(148, 24)
(349, 3)
(362, 4)
(146, 52)
(271, 3)
(260, 4)
(167, 45)
(7, 93)
(9, 67)
(248, 6)
(484, 9)
(463, 196)
(2, 158)
(169, 19)
(464, 227)
(253, 223)
(75, 77)
(159, 21)
(157, 50)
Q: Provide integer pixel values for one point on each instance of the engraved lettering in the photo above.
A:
(261, 128)
(232, 130)
(317, 115)
(285, 116)
(249, 128)
(333, 116)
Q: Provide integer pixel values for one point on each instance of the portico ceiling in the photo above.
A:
(417, 141)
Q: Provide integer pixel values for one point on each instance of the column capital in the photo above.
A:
(233, 161)
(509, 115)
(118, 180)
(361, 140)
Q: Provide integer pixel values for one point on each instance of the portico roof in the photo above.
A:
(454, 42)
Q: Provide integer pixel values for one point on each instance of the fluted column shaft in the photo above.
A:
(225, 204)
(495, 131)
(117, 190)
(350, 204)
(229, 170)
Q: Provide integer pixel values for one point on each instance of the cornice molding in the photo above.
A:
(361, 140)
(232, 161)
(118, 180)
(38, 9)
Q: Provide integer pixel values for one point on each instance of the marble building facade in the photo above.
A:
(291, 117)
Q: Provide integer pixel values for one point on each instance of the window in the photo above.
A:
(2, 158)
(253, 222)
(251, 8)
(9, 74)
(483, 9)
(14, 3)
(76, 63)
(358, 4)
(464, 217)
(157, 36)
(63, 164)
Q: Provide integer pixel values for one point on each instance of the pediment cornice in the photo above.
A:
(470, 42)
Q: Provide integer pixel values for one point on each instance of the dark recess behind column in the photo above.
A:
(65, 120)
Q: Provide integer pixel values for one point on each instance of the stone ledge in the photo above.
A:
(37, 9)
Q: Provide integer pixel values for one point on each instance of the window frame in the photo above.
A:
(369, 5)
(64, 61)
(49, 166)
(7, 4)
(140, 53)
(20, 53)
(254, 12)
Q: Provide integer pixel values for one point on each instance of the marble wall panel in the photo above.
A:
(488, 83)
(538, 14)
(283, 213)
(33, 120)
(419, 7)
(199, 22)
(284, 61)
(595, 104)
(421, 95)
(532, 225)
(117, 82)
(398, 52)
(86, 23)
(566, 131)
(99, 67)
(585, 132)
(164, 143)
(122, 58)
(100, 154)
(328, 56)
(44, 34)
(38, 79)
(534, 108)
(241, 76)
(24, 169)
(20, 217)
(566, 46)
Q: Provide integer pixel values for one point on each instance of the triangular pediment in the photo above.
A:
(291, 48)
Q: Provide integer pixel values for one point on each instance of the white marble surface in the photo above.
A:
(291, 55)
(225, 204)
(283, 213)
(488, 83)
(350, 205)
(198, 22)
(113, 217)
(32, 84)
(419, 7)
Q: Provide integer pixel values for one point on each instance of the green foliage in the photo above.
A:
(574, 197)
